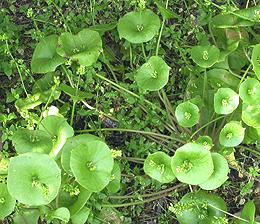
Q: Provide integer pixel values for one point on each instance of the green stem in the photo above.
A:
(62, 16)
(143, 50)
(131, 56)
(134, 131)
(205, 125)
(244, 75)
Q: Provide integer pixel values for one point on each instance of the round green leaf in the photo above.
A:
(138, 27)
(251, 115)
(219, 175)
(153, 75)
(114, 184)
(232, 134)
(198, 207)
(71, 143)
(83, 47)
(192, 164)
(248, 212)
(205, 56)
(158, 167)
(92, 164)
(27, 216)
(45, 59)
(59, 130)
(25, 140)
(7, 202)
(226, 101)
(249, 91)
(256, 60)
(187, 114)
(33, 179)
(205, 141)
(62, 214)
(81, 217)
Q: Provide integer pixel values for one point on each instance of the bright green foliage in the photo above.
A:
(92, 164)
(33, 179)
(71, 143)
(196, 208)
(81, 217)
(62, 214)
(256, 60)
(249, 91)
(187, 114)
(25, 140)
(248, 212)
(192, 164)
(205, 56)
(7, 202)
(251, 115)
(45, 59)
(225, 101)
(83, 47)
(59, 130)
(219, 175)
(114, 184)
(28, 216)
(153, 75)
(232, 134)
(158, 166)
(205, 141)
(138, 27)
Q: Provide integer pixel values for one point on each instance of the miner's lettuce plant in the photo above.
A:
(220, 111)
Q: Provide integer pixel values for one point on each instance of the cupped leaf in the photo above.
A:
(219, 175)
(192, 164)
(83, 47)
(33, 179)
(92, 164)
(153, 75)
(251, 115)
(45, 59)
(114, 184)
(7, 202)
(256, 60)
(59, 130)
(82, 199)
(62, 214)
(74, 93)
(205, 56)
(158, 167)
(232, 134)
(81, 217)
(30, 102)
(226, 101)
(205, 141)
(138, 27)
(71, 143)
(221, 78)
(199, 207)
(25, 140)
(27, 216)
(187, 114)
(248, 213)
(249, 91)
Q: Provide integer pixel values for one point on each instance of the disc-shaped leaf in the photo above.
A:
(33, 179)
(7, 202)
(153, 75)
(59, 130)
(198, 209)
(62, 214)
(249, 91)
(92, 163)
(232, 134)
(72, 143)
(226, 101)
(158, 167)
(205, 56)
(114, 184)
(256, 60)
(83, 47)
(45, 59)
(251, 115)
(138, 27)
(205, 141)
(187, 114)
(25, 140)
(219, 175)
(192, 164)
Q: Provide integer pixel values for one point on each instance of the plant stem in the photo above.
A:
(244, 75)
(134, 131)
(131, 56)
(143, 50)
(62, 16)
